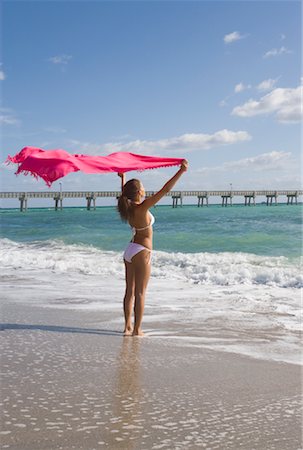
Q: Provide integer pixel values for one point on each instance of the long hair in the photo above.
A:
(129, 194)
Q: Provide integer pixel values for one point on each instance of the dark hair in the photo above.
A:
(129, 194)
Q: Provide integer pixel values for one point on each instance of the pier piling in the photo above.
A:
(225, 198)
(201, 199)
(91, 198)
(58, 201)
(23, 202)
(248, 199)
(270, 197)
(291, 197)
(175, 198)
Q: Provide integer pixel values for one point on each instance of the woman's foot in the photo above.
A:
(128, 331)
(138, 333)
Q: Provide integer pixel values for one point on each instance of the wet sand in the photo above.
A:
(69, 383)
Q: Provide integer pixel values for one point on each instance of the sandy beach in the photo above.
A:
(68, 383)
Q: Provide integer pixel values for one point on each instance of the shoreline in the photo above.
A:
(69, 383)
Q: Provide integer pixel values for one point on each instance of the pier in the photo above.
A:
(271, 197)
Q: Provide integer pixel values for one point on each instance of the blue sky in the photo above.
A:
(215, 82)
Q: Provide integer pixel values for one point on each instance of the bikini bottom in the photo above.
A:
(132, 249)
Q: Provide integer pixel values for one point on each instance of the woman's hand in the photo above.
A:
(120, 174)
(184, 165)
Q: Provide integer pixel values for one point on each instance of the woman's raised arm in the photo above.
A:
(122, 176)
(151, 201)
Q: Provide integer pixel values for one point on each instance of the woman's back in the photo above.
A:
(141, 222)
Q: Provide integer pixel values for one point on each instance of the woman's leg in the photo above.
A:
(142, 266)
(129, 297)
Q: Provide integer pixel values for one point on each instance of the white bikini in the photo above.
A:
(133, 248)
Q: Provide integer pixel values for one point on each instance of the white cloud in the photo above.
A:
(8, 120)
(233, 37)
(2, 74)
(284, 102)
(7, 117)
(87, 148)
(270, 170)
(180, 144)
(241, 87)
(271, 161)
(266, 161)
(267, 85)
(60, 59)
(276, 52)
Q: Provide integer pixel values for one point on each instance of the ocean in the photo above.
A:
(223, 278)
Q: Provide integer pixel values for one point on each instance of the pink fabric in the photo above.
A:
(51, 165)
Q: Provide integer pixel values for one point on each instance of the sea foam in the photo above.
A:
(216, 269)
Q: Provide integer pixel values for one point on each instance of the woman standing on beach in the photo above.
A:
(134, 209)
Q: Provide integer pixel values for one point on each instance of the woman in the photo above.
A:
(134, 209)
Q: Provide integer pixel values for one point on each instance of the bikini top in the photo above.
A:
(152, 221)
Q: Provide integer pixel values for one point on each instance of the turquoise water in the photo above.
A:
(261, 230)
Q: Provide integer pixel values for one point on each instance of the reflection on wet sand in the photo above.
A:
(128, 393)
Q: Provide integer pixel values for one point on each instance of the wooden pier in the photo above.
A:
(176, 197)
(271, 197)
(225, 198)
(201, 197)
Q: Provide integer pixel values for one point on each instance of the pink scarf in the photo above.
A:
(51, 165)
